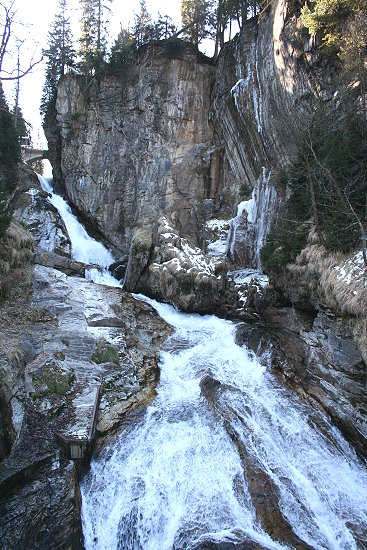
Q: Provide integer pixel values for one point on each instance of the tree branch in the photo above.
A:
(344, 197)
(24, 73)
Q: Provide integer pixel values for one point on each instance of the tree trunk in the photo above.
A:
(314, 204)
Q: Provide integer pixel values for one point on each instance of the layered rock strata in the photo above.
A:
(316, 312)
(76, 337)
(139, 143)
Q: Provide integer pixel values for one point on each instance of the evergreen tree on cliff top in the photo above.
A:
(197, 19)
(343, 27)
(330, 17)
(142, 25)
(60, 54)
(93, 39)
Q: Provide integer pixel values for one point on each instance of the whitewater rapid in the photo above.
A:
(175, 479)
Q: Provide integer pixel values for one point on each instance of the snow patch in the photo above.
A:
(245, 276)
(217, 236)
(352, 270)
(182, 255)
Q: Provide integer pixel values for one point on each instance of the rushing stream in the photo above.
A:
(178, 476)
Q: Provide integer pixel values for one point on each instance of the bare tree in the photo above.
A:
(7, 20)
(332, 163)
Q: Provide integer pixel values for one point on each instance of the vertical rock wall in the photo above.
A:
(139, 143)
(173, 135)
(263, 80)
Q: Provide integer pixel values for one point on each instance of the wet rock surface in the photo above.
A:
(316, 353)
(323, 360)
(61, 263)
(237, 543)
(42, 510)
(78, 336)
(31, 207)
(263, 492)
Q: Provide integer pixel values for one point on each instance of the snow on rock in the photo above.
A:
(216, 237)
(352, 270)
(181, 274)
(246, 280)
(245, 276)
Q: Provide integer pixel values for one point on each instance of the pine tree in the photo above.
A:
(123, 50)
(9, 158)
(329, 17)
(60, 54)
(22, 127)
(164, 27)
(233, 10)
(93, 39)
(142, 30)
(196, 18)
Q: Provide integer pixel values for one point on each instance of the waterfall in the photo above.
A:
(175, 479)
(84, 248)
(253, 218)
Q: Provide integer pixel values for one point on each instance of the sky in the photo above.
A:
(34, 18)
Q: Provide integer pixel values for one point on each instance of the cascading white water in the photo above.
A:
(175, 477)
(84, 248)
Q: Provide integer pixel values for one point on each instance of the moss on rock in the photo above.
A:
(142, 241)
(105, 353)
(52, 378)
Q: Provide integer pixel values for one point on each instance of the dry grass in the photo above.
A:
(342, 283)
(16, 283)
(16, 251)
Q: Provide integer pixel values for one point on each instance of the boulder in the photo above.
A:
(139, 256)
(62, 263)
(175, 271)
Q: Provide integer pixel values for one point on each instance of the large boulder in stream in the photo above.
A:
(175, 271)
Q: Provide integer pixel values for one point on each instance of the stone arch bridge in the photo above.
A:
(29, 154)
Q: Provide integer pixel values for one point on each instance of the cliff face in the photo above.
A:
(174, 135)
(136, 145)
(263, 81)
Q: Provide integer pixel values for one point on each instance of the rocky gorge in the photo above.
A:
(173, 164)
(135, 151)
